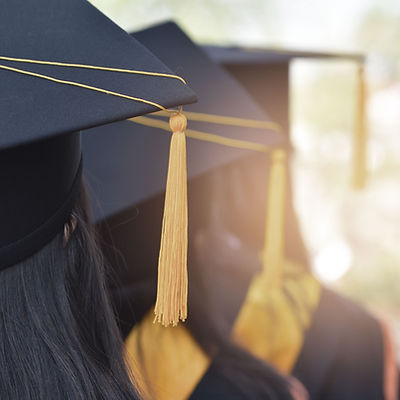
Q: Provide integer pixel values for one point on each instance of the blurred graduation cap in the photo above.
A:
(226, 125)
(265, 75)
(58, 61)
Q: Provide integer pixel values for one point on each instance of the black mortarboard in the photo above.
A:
(265, 75)
(41, 104)
(219, 94)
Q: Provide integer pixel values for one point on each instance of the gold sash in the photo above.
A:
(271, 325)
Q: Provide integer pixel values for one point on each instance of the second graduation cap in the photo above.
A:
(64, 67)
(265, 73)
(140, 154)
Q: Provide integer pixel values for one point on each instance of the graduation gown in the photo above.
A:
(347, 353)
(341, 352)
(178, 367)
(334, 347)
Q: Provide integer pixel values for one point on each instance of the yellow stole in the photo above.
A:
(271, 325)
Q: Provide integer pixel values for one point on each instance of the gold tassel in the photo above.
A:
(274, 246)
(171, 304)
(360, 135)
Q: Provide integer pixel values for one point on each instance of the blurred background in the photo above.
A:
(353, 237)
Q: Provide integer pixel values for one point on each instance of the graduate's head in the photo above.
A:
(64, 68)
(59, 336)
(58, 332)
(228, 214)
(131, 220)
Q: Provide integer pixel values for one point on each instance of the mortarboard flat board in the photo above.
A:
(132, 218)
(265, 73)
(42, 105)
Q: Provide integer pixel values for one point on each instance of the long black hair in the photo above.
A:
(59, 338)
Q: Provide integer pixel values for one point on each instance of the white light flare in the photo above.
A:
(333, 261)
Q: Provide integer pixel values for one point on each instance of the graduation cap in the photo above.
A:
(226, 125)
(265, 75)
(64, 67)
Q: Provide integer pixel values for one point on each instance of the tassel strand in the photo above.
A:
(172, 289)
(360, 135)
(274, 246)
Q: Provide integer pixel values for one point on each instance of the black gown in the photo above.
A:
(343, 354)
